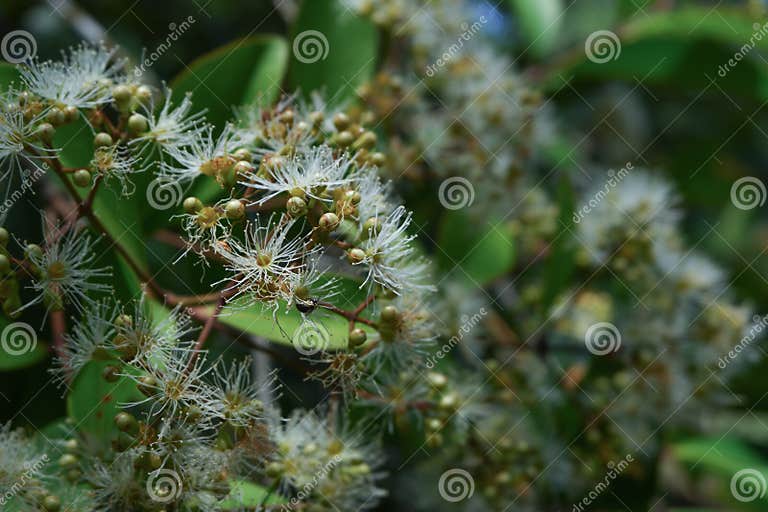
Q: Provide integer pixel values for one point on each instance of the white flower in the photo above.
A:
(267, 262)
(171, 129)
(235, 397)
(94, 331)
(376, 197)
(115, 162)
(308, 174)
(202, 154)
(66, 273)
(391, 259)
(20, 463)
(82, 79)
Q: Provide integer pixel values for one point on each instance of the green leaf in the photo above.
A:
(684, 48)
(242, 72)
(8, 74)
(484, 252)
(540, 22)
(724, 456)
(93, 402)
(333, 49)
(26, 349)
(561, 263)
(247, 494)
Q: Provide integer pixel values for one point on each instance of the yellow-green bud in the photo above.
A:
(296, 206)
(328, 221)
(137, 123)
(102, 139)
(235, 209)
(82, 178)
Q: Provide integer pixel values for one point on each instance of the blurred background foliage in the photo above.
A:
(660, 105)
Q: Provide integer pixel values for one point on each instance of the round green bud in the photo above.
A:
(357, 337)
(378, 159)
(123, 320)
(434, 424)
(296, 206)
(194, 413)
(341, 121)
(56, 116)
(153, 461)
(235, 209)
(243, 167)
(102, 139)
(243, 154)
(137, 123)
(71, 445)
(68, 460)
(389, 314)
(110, 373)
(355, 255)
(70, 114)
(316, 117)
(371, 226)
(367, 140)
(5, 264)
(125, 422)
(121, 93)
(147, 385)
(144, 94)
(192, 205)
(3, 236)
(51, 503)
(274, 469)
(73, 475)
(328, 221)
(435, 440)
(437, 380)
(344, 139)
(33, 251)
(45, 132)
(449, 402)
(82, 178)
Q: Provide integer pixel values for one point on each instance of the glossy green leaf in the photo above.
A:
(242, 72)
(92, 402)
(483, 253)
(540, 22)
(333, 49)
(248, 494)
(8, 74)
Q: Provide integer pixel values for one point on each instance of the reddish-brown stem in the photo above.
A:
(58, 328)
(349, 315)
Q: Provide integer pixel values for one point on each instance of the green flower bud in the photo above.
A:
(110, 373)
(70, 114)
(45, 132)
(82, 178)
(389, 315)
(328, 221)
(126, 422)
(51, 503)
(68, 460)
(296, 206)
(71, 445)
(121, 93)
(357, 337)
(102, 139)
(367, 140)
(235, 209)
(5, 264)
(355, 255)
(137, 123)
(244, 167)
(144, 94)
(341, 121)
(344, 139)
(378, 159)
(33, 251)
(192, 205)
(243, 154)
(3, 237)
